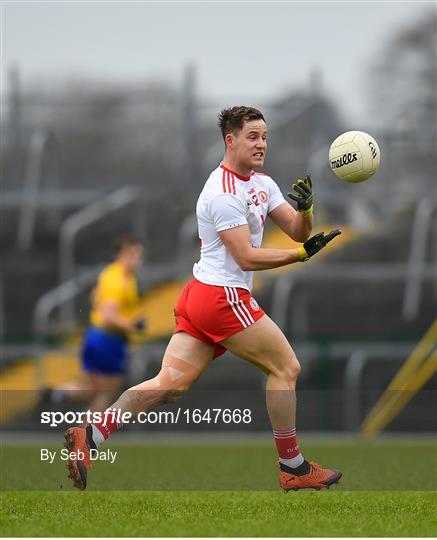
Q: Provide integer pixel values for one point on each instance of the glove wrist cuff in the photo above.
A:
(302, 254)
(306, 213)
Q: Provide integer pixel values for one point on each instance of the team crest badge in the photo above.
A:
(253, 304)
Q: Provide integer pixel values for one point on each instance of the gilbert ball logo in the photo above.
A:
(253, 304)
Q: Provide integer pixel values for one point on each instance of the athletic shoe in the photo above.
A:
(80, 441)
(317, 478)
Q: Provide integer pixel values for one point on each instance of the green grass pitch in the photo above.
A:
(222, 489)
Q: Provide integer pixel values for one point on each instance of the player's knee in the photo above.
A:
(289, 370)
(295, 370)
(173, 394)
(176, 377)
(174, 389)
(177, 390)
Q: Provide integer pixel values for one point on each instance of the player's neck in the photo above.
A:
(236, 167)
(124, 266)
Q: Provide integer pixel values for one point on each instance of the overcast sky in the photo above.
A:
(243, 50)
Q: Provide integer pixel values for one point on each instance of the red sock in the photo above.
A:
(109, 423)
(286, 443)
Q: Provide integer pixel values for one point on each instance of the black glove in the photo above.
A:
(303, 195)
(140, 325)
(314, 244)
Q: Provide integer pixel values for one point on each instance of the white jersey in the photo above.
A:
(229, 200)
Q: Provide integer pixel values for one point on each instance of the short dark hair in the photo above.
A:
(232, 119)
(125, 241)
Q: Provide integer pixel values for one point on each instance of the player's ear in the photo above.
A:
(229, 140)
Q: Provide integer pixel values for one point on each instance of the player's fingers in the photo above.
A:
(303, 185)
(318, 236)
(308, 181)
(330, 236)
(302, 191)
(294, 197)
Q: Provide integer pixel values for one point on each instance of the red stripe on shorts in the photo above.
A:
(238, 307)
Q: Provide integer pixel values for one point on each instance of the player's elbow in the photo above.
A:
(243, 259)
(245, 263)
(111, 318)
(251, 260)
(108, 319)
(246, 266)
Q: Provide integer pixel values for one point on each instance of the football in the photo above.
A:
(354, 156)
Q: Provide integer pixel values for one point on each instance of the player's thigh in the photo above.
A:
(187, 348)
(264, 344)
(184, 360)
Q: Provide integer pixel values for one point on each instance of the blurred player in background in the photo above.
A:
(115, 302)
(216, 310)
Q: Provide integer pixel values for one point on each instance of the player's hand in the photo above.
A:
(303, 195)
(140, 325)
(314, 244)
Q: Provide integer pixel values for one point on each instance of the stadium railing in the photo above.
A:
(287, 283)
(86, 217)
(417, 258)
(38, 145)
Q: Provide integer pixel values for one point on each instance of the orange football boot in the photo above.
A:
(79, 440)
(317, 478)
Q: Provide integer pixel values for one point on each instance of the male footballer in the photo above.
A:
(216, 311)
(104, 353)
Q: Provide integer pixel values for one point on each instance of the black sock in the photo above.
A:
(89, 437)
(304, 468)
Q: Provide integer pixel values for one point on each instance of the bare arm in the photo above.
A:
(295, 225)
(237, 241)
(110, 313)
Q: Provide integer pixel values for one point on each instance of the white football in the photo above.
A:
(354, 156)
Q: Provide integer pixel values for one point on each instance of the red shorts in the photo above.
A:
(212, 313)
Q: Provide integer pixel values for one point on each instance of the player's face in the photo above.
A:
(132, 257)
(251, 144)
